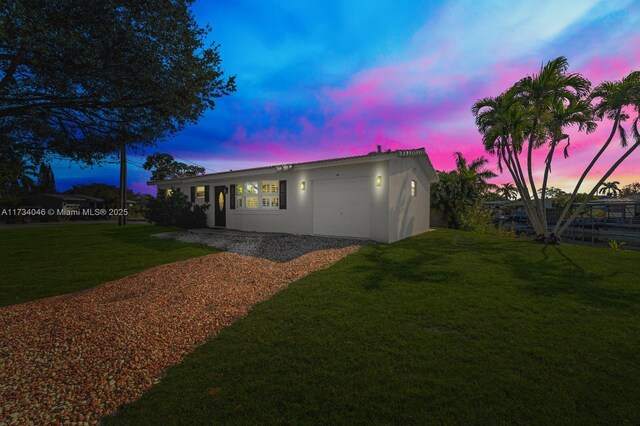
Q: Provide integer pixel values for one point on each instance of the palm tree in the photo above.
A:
(476, 171)
(508, 191)
(534, 114)
(503, 122)
(612, 99)
(555, 99)
(610, 188)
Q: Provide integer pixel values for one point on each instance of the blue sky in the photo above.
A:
(326, 79)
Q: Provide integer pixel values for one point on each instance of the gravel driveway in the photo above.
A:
(78, 357)
(271, 246)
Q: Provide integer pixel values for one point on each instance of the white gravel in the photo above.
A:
(271, 246)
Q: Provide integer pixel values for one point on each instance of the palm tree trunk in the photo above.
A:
(532, 182)
(558, 224)
(547, 169)
(595, 188)
(522, 187)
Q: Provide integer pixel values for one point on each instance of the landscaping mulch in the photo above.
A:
(78, 357)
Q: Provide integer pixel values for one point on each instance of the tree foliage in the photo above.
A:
(459, 193)
(46, 179)
(109, 193)
(507, 191)
(164, 167)
(535, 113)
(176, 210)
(630, 189)
(82, 77)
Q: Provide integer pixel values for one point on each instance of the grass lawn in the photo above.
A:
(47, 261)
(448, 327)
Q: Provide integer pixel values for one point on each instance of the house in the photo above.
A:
(382, 196)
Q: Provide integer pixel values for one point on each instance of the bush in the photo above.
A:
(176, 210)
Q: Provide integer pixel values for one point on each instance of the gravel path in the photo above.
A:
(78, 357)
(271, 246)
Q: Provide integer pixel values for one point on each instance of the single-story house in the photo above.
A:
(382, 196)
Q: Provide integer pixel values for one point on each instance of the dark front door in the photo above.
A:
(220, 204)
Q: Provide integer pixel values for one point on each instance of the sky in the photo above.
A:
(327, 79)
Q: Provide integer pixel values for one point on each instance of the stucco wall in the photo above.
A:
(408, 215)
(394, 214)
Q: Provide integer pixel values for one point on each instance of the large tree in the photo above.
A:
(164, 167)
(535, 113)
(82, 77)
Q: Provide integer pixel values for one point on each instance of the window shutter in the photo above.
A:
(232, 196)
(283, 194)
(193, 194)
(206, 193)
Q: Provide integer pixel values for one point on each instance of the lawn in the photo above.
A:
(445, 328)
(47, 261)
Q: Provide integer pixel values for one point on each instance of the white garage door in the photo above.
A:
(342, 207)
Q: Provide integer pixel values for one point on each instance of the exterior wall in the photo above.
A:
(408, 215)
(297, 218)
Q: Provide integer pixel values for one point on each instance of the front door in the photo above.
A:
(219, 203)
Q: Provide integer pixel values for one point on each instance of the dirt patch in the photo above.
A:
(66, 359)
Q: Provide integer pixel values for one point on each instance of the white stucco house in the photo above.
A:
(383, 196)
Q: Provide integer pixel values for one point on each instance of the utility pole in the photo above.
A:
(122, 218)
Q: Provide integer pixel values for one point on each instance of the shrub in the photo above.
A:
(176, 210)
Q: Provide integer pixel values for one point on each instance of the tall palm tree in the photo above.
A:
(476, 171)
(611, 100)
(610, 188)
(535, 113)
(508, 191)
(503, 122)
(555, 99)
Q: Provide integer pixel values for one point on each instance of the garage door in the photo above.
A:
(342, 207)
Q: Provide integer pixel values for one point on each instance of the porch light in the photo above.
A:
(379, 181)
(302, 185)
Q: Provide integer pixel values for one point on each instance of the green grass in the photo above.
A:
(445, 328)
(46, 261)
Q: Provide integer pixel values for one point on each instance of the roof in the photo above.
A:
(88, 198)
(63, 197)
(370, 157)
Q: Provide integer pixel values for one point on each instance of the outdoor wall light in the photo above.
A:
(302, 185)
(379, 181)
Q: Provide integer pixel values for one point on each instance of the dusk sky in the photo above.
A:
(334, 78)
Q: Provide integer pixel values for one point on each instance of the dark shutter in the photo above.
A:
(206, 193)
(283, 194)
(193, 194)
(232, 196)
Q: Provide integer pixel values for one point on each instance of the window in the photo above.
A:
(168, 192)
(257, 195)
(252, 202)
(200, 191)
(270, 187)
(251, 187)
(413, 188)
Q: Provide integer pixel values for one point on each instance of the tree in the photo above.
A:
(80, 77)
(610, 188)
(630, 189)
(16, 176)
(534, 113)
(508, 191)
(176, 210)
(458, 194)
(46, 179)
(477, 172)
(166, 167)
